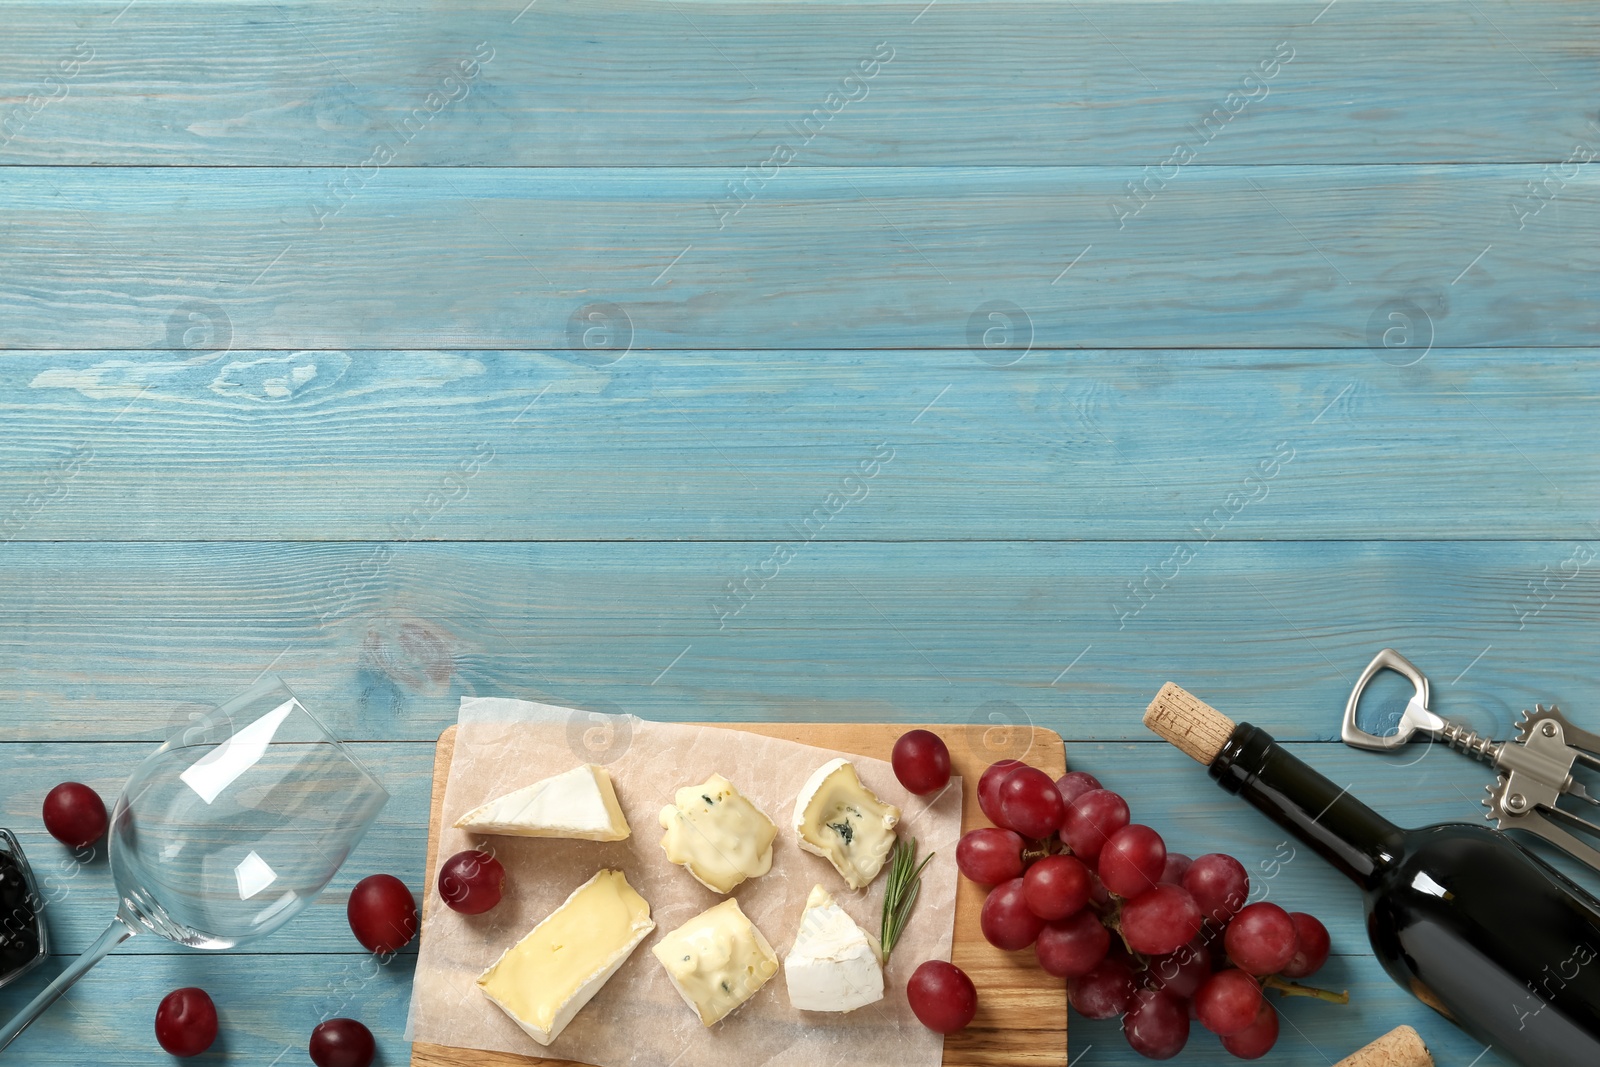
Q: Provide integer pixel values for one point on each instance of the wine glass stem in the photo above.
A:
(118, 932)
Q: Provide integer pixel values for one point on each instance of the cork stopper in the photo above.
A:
(1400, 1047)
(1195, 727)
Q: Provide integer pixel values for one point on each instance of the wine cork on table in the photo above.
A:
(1400, 1047)
(1195, 727)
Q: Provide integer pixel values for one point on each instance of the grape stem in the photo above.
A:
(1295, 989)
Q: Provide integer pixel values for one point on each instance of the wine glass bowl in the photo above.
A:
(229, 829)
(238, 821)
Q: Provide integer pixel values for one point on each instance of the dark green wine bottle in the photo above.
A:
(1476, 927)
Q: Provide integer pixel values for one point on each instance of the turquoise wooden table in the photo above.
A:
(419, 350)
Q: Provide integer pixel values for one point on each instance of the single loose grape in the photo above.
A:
(921, 761)
(941, 996)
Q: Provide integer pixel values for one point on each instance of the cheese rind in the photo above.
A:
(844, 822)
(834, 964)
(580, 803)
(717, 961)
(717, 835)
(546, 978)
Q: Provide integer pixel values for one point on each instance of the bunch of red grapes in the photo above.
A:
(1137, 931)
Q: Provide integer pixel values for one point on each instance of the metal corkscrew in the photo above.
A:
(1535, 769)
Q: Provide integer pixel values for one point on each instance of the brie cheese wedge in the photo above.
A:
(834, 964)
(546, 978)
(717, 961)
(717, 835)
(841, 820)
(579, 803)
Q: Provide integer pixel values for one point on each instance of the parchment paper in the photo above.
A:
(638, 1019)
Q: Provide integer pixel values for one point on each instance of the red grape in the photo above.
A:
(942, 997)
(342, 1043)
(1219, 885)
(472, 882)
(382, 913)
(1312, 946)
(1257, 1039)
(74, 814)
(1157, 1024)
(1006, 920)
(1074, 784)
(1132, 860)
(1090, 821)
(186, 1021)
(1181, 972)
(1161, 920)
(1029, 803)
(1097, 891)
(1173, 870)
(1074, 946)
(1104, 992)
(1056, 887)
(989, 787)
(990, 855)
(1227, 1002)
(921, 761)
(1261, 939)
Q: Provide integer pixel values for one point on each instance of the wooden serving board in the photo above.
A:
(1022, 1012)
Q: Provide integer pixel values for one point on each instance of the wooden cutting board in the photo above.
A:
(1022, 1012)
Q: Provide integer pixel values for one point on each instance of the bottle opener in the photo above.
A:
(1535, 769)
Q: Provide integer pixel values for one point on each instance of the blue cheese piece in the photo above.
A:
(841, 820)
(717, 835)
(717, 961)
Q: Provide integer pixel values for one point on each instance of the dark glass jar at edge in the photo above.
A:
(1484, 932)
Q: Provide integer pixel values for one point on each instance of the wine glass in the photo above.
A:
(228, 830)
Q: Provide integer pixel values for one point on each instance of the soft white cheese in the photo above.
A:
(579, 803)
(834, 964)
(841, 820)
(717, 835)
(717, 961)
(546, 978)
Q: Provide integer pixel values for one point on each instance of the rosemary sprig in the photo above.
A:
(900, 892)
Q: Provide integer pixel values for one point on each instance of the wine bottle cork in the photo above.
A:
(1195, 727)
(1400, 1047)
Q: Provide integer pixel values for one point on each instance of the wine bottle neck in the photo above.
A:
(1344, 831)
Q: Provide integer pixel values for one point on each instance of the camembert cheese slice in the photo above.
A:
(546, 978)
(841, 820)
(717, 835)
(834, 964)
(579, 803)
(717, 961)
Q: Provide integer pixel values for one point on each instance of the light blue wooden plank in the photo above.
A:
(103, 642)
(1164, 788)
(634, 83)
(270, 1003)
(1339, 257)
(267, 1006)
(77, 887)
(728, 446)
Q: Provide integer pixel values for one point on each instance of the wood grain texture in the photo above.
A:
(274, 999)
(1167, 791)
(635, 83)
(104, 642)
(742, 445)
(1016, 1024)
(821, 258)
(254, 333)
(269, 1005)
